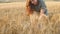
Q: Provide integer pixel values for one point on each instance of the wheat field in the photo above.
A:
(13, 19)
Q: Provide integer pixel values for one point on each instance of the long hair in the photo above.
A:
(28, 7)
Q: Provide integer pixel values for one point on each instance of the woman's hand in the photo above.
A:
(42, 11)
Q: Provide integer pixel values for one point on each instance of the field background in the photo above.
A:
(13, 19)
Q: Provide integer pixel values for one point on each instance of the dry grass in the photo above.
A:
(14, 21)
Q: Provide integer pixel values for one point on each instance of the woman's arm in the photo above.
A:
(43, 7)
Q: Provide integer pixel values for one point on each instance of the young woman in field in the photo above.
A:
(37, 6)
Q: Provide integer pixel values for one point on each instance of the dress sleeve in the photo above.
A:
(43, 6)
(42, 3)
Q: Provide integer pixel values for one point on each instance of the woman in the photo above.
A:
(37, 6)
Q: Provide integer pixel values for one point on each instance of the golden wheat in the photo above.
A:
(13, 19)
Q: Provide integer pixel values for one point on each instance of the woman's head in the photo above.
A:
(35, 2)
